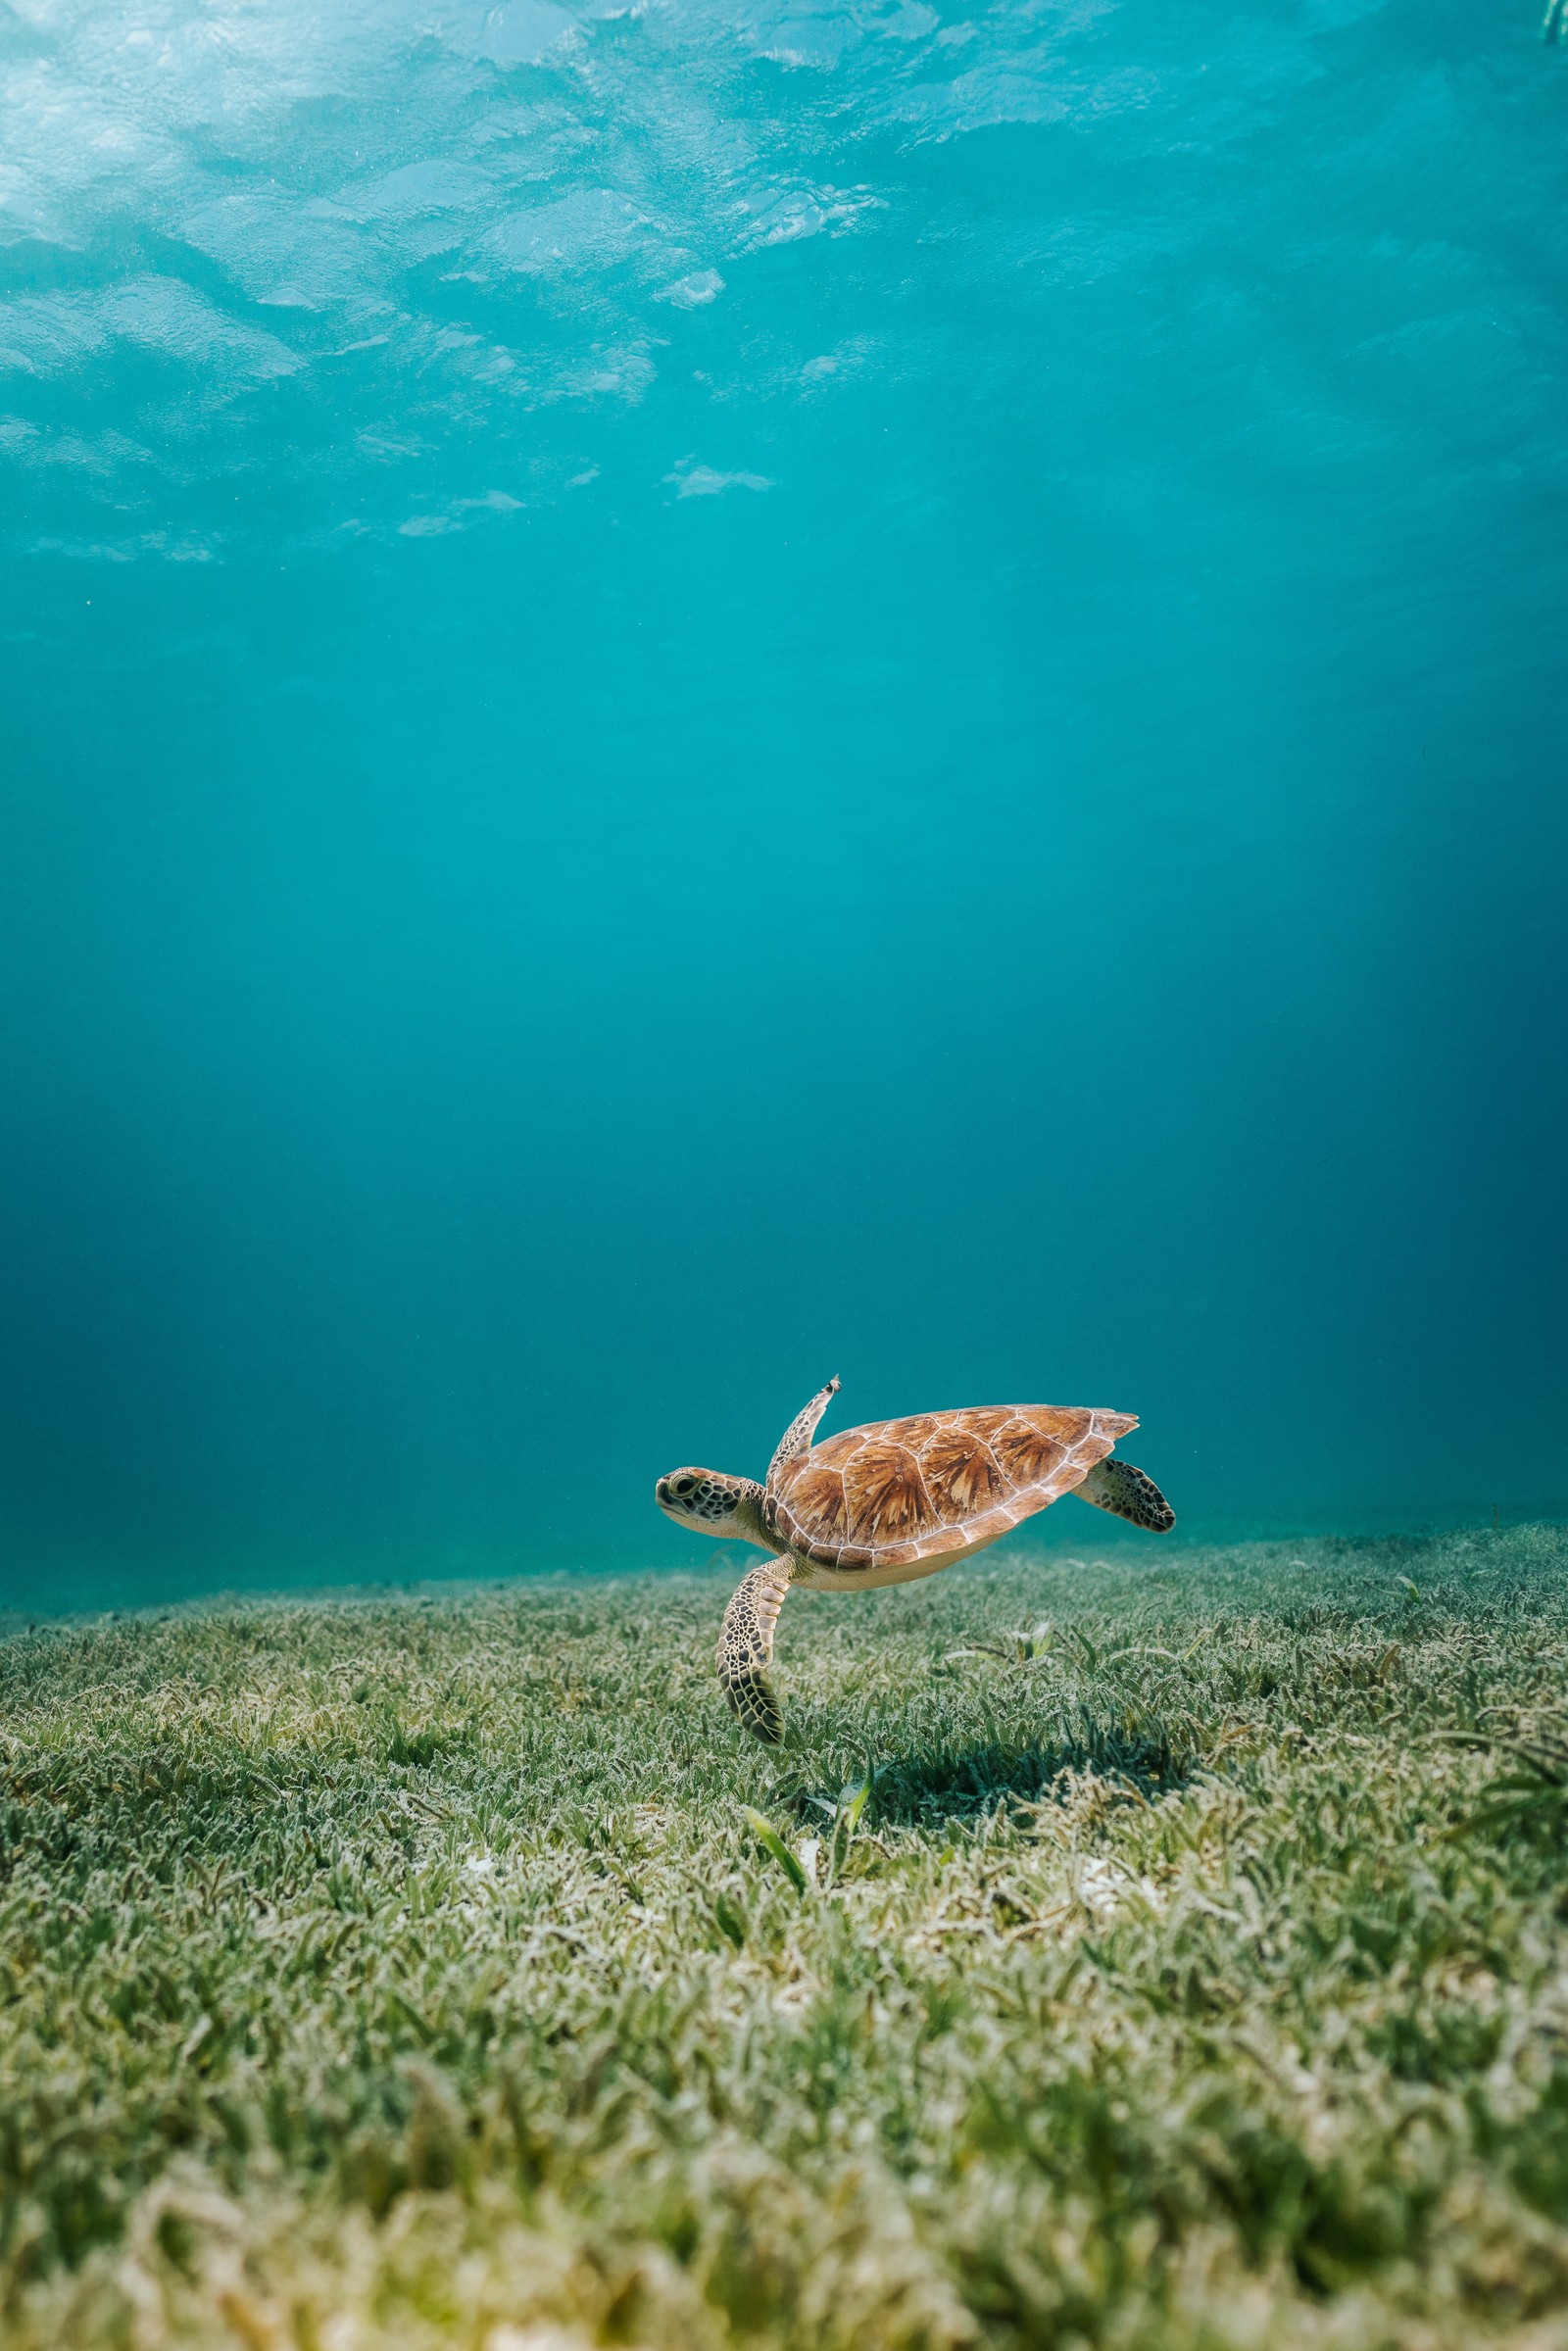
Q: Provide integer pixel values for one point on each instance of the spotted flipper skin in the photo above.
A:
(746, 1649)
(1116, 1486)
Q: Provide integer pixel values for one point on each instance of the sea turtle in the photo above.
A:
(896, 1500)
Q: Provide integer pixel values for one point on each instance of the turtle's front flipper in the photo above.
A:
(746, 1648)
(1113, 1485)
(797, 1437)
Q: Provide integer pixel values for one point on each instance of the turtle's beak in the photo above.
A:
(677, 1494)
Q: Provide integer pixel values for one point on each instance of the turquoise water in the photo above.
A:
(699, 695)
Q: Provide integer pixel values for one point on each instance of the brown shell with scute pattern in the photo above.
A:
(937, 1484)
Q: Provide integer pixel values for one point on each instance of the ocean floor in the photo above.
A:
(1158, 1952)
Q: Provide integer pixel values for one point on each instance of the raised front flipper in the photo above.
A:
(797, 1437)
(746, 1649)
(1113, 1485)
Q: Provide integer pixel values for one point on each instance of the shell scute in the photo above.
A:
(887, 1499)
(979, 1420)
(818, 1506)
(962, 1475)
(1112, 1425)
(1029, 1455)
(915, 1433)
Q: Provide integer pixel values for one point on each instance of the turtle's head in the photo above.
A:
(709, 1502)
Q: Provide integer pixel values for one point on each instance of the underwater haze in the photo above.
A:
(705, 693)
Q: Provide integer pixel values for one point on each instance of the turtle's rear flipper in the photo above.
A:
(1116, 1486)
(746, 1648)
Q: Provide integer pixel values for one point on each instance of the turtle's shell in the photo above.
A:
(937, 1484)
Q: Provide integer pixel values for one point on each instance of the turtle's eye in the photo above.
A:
(685, 1484)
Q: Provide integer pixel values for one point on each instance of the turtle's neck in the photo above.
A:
(749, 1517)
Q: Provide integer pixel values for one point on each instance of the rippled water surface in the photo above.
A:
(701, 694)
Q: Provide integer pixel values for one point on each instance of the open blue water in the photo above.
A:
(703, 693)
